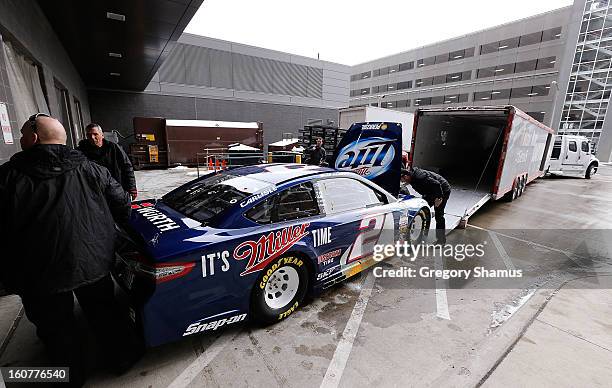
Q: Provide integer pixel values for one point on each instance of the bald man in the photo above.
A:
(57, 236)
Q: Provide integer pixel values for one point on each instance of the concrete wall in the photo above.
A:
(206, 67)
(115, 111)
(23, 23)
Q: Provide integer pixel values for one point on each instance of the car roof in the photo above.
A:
(278, 173)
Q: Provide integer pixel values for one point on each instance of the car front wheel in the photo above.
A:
(279, 290)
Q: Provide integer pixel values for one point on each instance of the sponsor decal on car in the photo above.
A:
(321, 236)
(326, 258)
(209, 263)
(288, 312)
(257, 196)
(200, 326)
(369, 157)
(157, 218)
(268, 247)
(327, 273)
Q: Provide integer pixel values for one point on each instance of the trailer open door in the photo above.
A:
(465, 148)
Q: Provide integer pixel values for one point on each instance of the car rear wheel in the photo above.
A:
(279, 290)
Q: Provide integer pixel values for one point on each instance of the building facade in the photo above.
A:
(514, 63)
(211, 79)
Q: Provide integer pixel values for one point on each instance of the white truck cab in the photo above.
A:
(572, 155)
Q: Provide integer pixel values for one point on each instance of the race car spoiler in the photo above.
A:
(374, 151)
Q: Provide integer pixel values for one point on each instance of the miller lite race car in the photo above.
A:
(252, 242)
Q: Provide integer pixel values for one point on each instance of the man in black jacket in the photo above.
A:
(316, 154)
(110, 155)
(435, 190)
(57, 235)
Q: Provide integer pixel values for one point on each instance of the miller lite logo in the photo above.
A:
(268, 247)
(369, 157)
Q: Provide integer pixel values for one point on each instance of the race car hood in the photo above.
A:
(162, 231)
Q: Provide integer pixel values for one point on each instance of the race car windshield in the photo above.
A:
(205, 199)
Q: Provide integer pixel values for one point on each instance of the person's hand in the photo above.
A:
(133, 194)
(437, 202)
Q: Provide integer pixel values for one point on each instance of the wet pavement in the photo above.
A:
(373, 331)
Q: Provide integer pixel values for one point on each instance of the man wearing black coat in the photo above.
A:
(57, 235)
(316, 154)
(434, 189)
(110, 155)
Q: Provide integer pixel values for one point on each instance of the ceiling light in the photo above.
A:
(418, 99)
(115, 74)
(543, 112)
(458, 56)
(503, 47)
(452, 96)
(532, 94)
(455, 77)
(115, 16)
(417, 104)
(484, 98)
(115, 55)
(447, 102)
(495, 92)
(390, 87)
(421, 64)
(558, 35)
(391, 71)
(552, 61)
(496, 70)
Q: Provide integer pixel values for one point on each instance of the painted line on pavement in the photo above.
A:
(502, 252)
(194, 369)
(441, 298)
(343, 350)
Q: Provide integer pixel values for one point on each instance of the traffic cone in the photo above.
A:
(224, 164)
(210, 164)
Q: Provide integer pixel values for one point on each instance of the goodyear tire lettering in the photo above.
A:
(275, 266)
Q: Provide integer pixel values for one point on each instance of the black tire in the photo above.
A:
(512, 194)
(591, 170)
(265, 308)
(523, 185)
(422, 219)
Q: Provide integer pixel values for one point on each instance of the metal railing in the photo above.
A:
(215, 159)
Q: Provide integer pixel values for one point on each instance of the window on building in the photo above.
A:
(463, 97)
(364, 91)
(551, 34)
(500, 94)
(393, 69)
(375, 73)
(482, 96)
(384, 71)
(469, 52)
(546, 63)
(375, 89)
(442, 58)
(525, 66)
(508, 44)
(454, 77)
(456, 55)
(423, 101)
(420, 82)
(521, 92)
(532, 38)
(489, 48)
(540, 90)
(539, 116)
(404, 85)
(486, 72)
(506, 69)
(437, 100)
(439, 79)
(406, 66)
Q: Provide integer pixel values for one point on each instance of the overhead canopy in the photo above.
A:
(118, 54)
(211, 124)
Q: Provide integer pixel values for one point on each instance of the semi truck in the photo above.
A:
(486, 153)
(572, 155)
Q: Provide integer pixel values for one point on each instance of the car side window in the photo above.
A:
(585, 147)
(262, 212)
(572, 146)
(299, 201)
(345, 194)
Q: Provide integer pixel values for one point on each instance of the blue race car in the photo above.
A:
(253, 242)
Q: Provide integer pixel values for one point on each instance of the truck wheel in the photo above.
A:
(513, 194)
(523, 185)
(419, 227)
(279, 290)
(590, 171)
